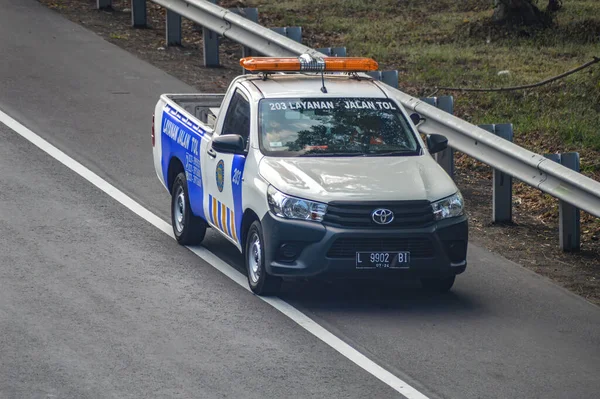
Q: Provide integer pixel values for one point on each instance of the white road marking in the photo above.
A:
(288, 310)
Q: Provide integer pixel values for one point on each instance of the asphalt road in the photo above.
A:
(95, 302)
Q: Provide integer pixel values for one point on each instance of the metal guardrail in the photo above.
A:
(237, 28)
(529, 167)
(534, 169)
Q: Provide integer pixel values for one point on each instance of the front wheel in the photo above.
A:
(188, 228)
(261, 283)
(439, 285)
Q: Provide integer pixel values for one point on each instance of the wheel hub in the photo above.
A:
(179, 210)
(254, 259)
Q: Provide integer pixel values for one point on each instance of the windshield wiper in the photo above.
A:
(332, 154)
(390, 153)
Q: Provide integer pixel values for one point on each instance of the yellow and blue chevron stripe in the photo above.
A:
(222, 217)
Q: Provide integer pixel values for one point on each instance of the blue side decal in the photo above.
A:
(237, 173)
(219, 218)
(180, 137)
(210, 208)
(228, 224)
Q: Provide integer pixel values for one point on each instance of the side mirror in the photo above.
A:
(229, 143)
(416, 118)
(436, 143)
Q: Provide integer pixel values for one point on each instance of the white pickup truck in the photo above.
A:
(310, 174)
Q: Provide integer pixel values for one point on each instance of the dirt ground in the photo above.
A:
(531, 240)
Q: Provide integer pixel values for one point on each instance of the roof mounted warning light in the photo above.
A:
(308, 63)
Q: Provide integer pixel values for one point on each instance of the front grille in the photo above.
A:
(348, 247)
(407, 214)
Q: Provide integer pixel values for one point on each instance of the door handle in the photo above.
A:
(211, 153)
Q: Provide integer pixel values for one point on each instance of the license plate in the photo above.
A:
(382, 260)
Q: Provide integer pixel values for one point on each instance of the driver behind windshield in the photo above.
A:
(275, 132)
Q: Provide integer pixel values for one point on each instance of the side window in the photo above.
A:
(237, 119)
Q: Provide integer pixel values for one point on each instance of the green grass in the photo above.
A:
(453, 43)
(117, 36)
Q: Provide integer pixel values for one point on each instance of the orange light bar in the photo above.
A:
(308, 64)
(354, 64)
(270, 64)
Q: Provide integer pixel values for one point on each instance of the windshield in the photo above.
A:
(334, 127)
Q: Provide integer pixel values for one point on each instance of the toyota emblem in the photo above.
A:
(382, 216)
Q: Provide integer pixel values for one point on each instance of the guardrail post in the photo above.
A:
(291, 32)
(173, 29)
(138, 13)
(569, 218)
(502, 185)
(333, 51)
(210, 44)
(444, 158)
(211, 48)
(376, 75)
(101, 4)
(252, 15)
(390, 78)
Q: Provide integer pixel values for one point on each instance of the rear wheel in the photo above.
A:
(440, 284)
(261, 283)
(188, 228)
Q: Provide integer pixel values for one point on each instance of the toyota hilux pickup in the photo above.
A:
(310, 168)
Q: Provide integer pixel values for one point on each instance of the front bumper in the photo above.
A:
(303, 249)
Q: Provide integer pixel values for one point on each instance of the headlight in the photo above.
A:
(294, 208)
(448, 207)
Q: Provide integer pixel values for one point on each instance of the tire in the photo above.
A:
(188, 228)
(260, 282)
(438, 285)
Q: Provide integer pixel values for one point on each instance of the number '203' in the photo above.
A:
(237, 177)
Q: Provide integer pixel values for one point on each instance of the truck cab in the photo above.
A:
(310, 174)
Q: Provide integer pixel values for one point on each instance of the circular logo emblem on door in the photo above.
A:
(220, 175)
(382, 216)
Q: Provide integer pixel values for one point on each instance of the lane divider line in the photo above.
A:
(288, 310)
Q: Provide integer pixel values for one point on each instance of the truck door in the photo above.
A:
(223, 172)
